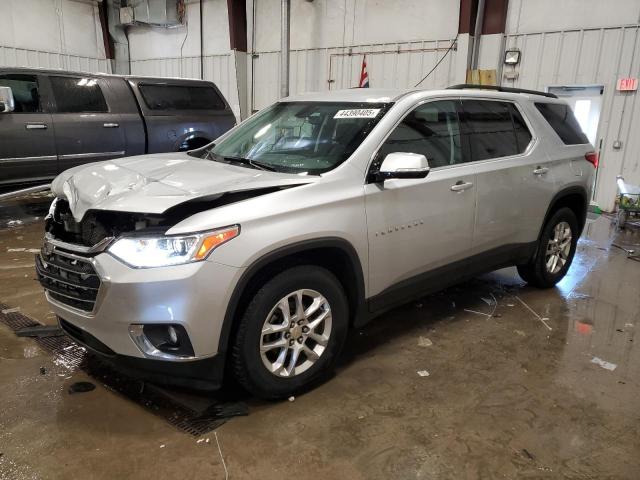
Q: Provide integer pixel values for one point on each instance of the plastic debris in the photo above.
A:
(162, 446)
(423, 373)
(200, 440)
(81, 387)
(544, 320)
(10, 310)
(520, 332)
(424, 342)
(292, 398)
(16, 249)
(604, 364)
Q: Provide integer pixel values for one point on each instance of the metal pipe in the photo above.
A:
(201, 42)
(477, 33)
(24, 191)
(284, 49)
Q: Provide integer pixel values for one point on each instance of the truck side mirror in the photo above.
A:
(403, 165)
(7, 104)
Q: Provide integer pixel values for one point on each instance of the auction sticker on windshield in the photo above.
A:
(357, 113)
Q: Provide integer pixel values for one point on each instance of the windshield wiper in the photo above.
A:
(252, 163)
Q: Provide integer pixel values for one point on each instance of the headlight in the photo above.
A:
(165, 250)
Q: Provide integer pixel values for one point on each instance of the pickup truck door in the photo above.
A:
(86, 128)
(27, 146)
(417, 226)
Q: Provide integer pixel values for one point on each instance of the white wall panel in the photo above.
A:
(59, 34)
(596, 56)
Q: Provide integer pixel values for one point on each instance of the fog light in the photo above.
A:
(162, 340)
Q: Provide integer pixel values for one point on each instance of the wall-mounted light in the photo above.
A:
(512, 57)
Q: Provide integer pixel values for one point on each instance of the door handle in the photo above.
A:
(461, 186)
(110, 125)
(540, 170)
(36, 126)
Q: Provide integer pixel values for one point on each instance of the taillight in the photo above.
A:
(592, 158)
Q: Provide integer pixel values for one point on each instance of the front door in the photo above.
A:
(27, 144)
(86, 129)
(416, 226)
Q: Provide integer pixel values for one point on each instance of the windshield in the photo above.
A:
(300, 137)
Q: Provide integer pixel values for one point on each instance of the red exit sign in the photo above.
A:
(627, 84)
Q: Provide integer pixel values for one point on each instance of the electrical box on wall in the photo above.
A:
(126, 16)
(160, 13)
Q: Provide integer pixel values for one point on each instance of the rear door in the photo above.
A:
(514, 176)
(416, 226)
(86, 129)
(27, 146)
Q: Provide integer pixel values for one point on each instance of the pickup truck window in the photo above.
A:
(181, 97)
(301, 137)
(25, 92)
(76, 95)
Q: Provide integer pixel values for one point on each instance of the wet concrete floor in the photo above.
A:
(516, 383)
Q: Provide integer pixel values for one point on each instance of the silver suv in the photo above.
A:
(256, 254)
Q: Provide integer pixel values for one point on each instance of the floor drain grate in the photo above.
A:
(197, 420)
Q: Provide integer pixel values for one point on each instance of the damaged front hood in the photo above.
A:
(155, 183)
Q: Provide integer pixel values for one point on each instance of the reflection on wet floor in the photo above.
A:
(487, 379)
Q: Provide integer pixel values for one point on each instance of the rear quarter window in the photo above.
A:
(181, 97)
(563, 122)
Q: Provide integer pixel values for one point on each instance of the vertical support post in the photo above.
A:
(284, 49)
(477, 34)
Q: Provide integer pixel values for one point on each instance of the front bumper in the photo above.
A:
(202, 374)
(193, 295)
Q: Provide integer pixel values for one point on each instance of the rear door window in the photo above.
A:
(181, 97)
(563, 122)
(490, 129)
(77, 95)
(523, 135)
(431, 130)
(25, 92)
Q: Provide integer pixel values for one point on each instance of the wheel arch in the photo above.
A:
(575, 198)
(333, 253)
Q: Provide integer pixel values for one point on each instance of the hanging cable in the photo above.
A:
(454, 42)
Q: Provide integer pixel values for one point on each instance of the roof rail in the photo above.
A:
(465, 86)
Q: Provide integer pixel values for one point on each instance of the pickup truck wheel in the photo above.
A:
(555, 252)
(291, 333)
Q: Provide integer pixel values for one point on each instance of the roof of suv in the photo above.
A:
(382, 95)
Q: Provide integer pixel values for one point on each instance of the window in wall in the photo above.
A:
(431, 130)
(490, 129)
(25, 92)
(76, 95)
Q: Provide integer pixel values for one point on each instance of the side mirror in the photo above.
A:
(7, 103)
(403, 165)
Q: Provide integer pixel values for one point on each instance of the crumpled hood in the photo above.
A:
(155, 183)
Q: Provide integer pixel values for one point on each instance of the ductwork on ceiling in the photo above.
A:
(156, 13)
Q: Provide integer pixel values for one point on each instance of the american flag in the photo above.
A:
(364, 76)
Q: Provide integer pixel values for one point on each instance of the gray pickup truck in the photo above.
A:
(54, 120)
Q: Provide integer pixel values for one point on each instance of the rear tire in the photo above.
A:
(555, 251)
(291, 333)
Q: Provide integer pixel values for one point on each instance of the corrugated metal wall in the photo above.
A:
(597, 56)
(19, 57)
(390, 65)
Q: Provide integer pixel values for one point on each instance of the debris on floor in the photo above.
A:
(10, 310)
(423, 373)
(544, 320)
(424, 342)
(81, 387)
(292, 398)
(40, 331)
(520, 332)
(604, 364)
(43, 371)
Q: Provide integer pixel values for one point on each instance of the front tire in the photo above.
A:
(291, 333)
(555, 251)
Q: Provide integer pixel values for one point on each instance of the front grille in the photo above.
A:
(68, 278)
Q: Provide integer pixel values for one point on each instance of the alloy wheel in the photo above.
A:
(558, 248)
(295, 333)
